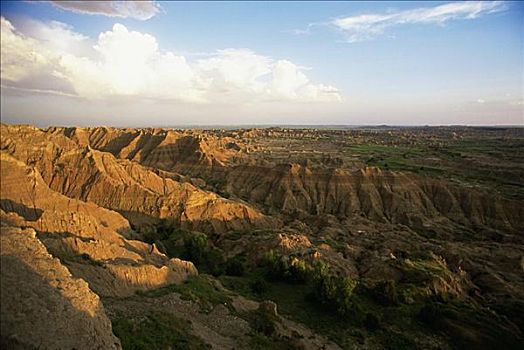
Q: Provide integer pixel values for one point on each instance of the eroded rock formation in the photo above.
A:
(89, 238)
(43, 305)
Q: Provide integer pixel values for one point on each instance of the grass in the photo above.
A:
(421, 270)
(470, 162)
(156, 331)
(398, 158)
(294, 302)
(470, 326)
(199, 289)
(264, 335)
(260, 342)
(396, 326)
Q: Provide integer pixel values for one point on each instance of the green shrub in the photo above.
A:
(330, 290)
(385, 293)
(431, 314)
(398, 341)
(280, 268)
(156, 331)
(372, 322)
(235, 267)
(336, 293)
(161, 231)
(259, 286)
(195, 245)
(275, 265)
(262, 322)
(298, 271)
(213, 262)
(191, 246)
(471, 326)
(319, 270)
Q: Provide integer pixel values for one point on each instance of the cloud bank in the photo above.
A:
(52, 58)
(368, 26)
(141, 10)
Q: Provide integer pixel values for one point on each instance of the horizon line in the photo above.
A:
(272, 125)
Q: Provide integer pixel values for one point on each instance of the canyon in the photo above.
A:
(286, 238)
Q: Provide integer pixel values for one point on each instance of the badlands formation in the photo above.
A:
(262, 238)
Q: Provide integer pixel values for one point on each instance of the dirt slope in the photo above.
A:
(43, 306)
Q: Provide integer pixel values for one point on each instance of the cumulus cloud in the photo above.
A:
(121, 62)
(26, 64)
(141, 10)
(57, 36)
(368, 26)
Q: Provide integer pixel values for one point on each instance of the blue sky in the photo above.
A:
(176, 63)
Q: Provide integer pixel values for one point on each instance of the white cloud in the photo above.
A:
(232, 69)
(241, 70)
(64, 38)
(128, 63)
(26, 63)
(290, 82)
(368, 26)
(141, 10)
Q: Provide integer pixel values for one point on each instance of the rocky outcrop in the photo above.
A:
(386, 196)
(402, 237)
(25, 193)
(160, 148)
(94, 242)
(383, 196)
(139, 193)
(43, 305)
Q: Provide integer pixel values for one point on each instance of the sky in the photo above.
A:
(150, 63)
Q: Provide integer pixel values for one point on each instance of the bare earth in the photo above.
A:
(216, 238)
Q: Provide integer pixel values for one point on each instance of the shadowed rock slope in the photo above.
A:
(383, 196)
(43, 306)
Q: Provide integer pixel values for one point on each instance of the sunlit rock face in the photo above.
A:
(43, 305)
(140, 193)
(74, 230)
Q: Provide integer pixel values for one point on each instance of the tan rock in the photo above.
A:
(43, 305)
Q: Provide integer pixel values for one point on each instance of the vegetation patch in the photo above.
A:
(156, 330)
(259, 341)
(200, 289)
(195, 247)
(470, 326)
